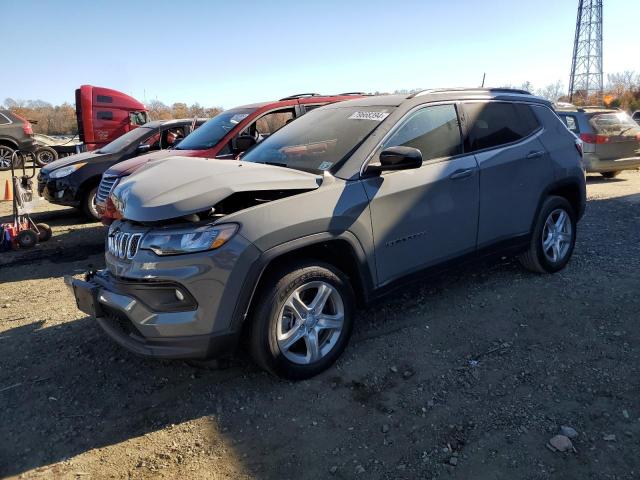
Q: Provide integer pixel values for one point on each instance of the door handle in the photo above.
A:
(458, 174)
(535, 154)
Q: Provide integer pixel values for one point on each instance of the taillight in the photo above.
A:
(592, 138)
(26, 128)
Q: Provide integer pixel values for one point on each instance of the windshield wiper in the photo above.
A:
(275, 164)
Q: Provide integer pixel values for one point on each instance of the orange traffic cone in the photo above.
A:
(8, 193)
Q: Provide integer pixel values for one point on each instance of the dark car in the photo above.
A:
(610, 138)
(73, 181)
(15, 134)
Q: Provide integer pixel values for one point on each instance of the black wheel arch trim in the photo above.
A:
(568, 182)
(257, 270)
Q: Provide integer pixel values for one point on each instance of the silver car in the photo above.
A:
(333, 210)
(610, 138)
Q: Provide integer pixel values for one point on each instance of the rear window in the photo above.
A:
(493, 124)
(614, 123)
(571, 122)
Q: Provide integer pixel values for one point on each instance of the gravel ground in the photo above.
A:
(466, 375)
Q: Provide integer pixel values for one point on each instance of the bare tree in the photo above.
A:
(552, 92)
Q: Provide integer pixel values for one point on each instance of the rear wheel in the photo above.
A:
(6, 153)
(303, 321)
(611, 174)
(89, 207)
(45, 155)
(553, 239)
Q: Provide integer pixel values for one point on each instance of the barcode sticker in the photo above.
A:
(375, 116)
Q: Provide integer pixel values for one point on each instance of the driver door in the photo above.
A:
(422, 217)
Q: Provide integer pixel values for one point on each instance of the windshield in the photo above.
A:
(319, 140)
(127, 140)
(614, 123)
(214, 130)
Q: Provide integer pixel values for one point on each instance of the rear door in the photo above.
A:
(424, 216)
(617, 135)
(514, 167)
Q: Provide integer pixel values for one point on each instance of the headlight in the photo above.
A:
(64, 171)
(176, 241)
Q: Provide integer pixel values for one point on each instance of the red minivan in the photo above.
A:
(225, 136)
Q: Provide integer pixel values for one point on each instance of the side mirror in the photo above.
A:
(244, 143)
(144, 148)
(397, 158)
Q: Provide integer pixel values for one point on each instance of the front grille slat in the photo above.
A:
(105, 187)
(123, 245)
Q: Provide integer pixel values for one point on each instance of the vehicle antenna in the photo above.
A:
(483, 76)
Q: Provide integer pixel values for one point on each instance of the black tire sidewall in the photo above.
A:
(265, 321)
(551, 204)
(45, 149)
(44, 232)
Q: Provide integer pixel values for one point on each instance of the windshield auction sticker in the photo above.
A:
(375, 116)
(238, 117)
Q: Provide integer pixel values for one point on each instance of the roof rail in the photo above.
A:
(351, 93)
(299, 95)
(470, 89)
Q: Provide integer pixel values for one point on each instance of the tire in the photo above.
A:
(27, 239)
(611, 174)
(274, 318)
(44, 232)
(89, 204)
(6, 153)
(560, 243)
(45, 155)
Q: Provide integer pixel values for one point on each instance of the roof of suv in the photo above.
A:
(444, 94)
(569, 107)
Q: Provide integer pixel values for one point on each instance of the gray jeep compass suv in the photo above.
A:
(327, 213)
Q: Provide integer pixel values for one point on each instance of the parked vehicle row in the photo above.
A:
(327, 213)
(74, 180)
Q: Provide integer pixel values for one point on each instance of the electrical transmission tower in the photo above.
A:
(586, 80)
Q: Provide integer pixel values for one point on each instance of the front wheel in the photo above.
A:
(89, 207)
(303, 321)
(553, 239)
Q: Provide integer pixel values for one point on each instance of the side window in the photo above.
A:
(3, 120)
(493, 124)
(269, 123)
(571, 123)
(434, 131)
(105, 115)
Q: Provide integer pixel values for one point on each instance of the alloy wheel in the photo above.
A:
(310, 322)
(5, 157)
(557, 235)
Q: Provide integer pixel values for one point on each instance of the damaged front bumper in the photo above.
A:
(188, 311)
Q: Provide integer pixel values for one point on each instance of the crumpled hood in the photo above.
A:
(70, 160)
(179, 186)
(127, 167)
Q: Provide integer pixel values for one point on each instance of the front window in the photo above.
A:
(319, 140)
(614, 123)
(135, 136)
(214, 130)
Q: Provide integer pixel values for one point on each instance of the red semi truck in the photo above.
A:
(104, 114)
